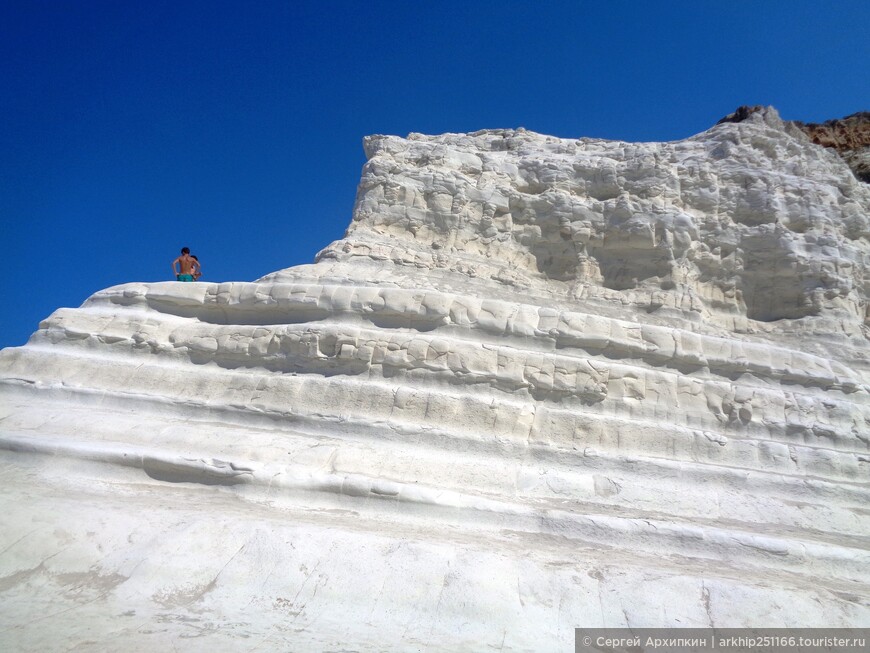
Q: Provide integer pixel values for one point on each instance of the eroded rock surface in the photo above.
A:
(541, 383)
(849, 136)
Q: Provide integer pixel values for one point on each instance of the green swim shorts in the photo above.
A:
(184, 277)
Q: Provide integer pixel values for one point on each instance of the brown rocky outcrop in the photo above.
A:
(850, 136)
(742, 113)
(849, 133)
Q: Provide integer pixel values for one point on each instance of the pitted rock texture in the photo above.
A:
(541, 383)
(743, 221)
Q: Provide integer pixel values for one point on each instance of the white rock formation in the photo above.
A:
(540, 384)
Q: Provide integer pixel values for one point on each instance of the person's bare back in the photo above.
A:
(183, 267)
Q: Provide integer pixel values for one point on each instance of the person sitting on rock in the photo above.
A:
(197, 272)
(187, 265)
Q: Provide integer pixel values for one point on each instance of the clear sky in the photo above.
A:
(131, 129)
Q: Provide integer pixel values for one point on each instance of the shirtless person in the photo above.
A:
(188, 266)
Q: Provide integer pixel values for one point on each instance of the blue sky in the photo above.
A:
(131, 129)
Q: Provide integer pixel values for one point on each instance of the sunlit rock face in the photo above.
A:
(540, 384)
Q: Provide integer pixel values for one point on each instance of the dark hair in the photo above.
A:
(185, 250)
(193, 256)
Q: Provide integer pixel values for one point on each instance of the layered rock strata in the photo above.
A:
(540, 384)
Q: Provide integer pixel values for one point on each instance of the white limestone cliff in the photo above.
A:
(540, 384)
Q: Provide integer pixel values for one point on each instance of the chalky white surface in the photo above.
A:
(540, 384)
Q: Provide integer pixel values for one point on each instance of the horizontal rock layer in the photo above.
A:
(540, 384)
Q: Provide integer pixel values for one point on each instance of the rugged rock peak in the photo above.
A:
(746, 111)
(849, 136)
